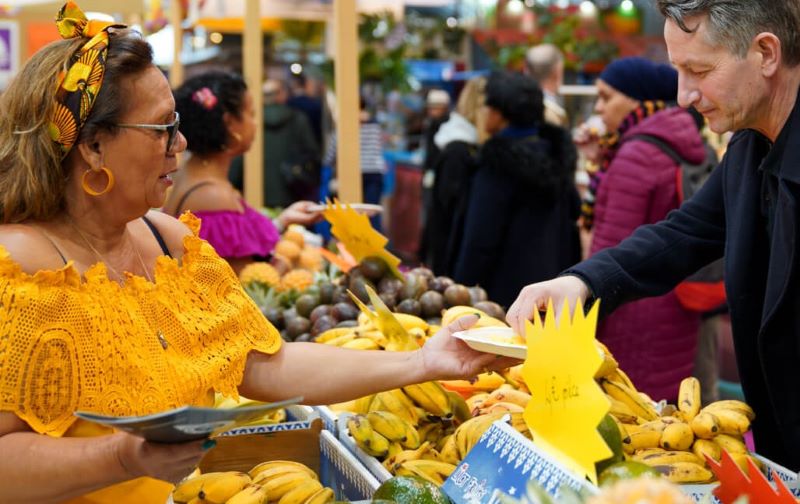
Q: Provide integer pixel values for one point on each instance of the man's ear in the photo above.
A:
(91, 153)
(769, 47)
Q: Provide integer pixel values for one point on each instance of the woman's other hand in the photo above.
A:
(168, 462)
(299, 213)
(536, 296)
(445, 357)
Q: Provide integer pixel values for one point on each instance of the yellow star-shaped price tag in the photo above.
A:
(567, 404)
(355, 232)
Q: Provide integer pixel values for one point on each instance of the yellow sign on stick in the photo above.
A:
(567, 405)
(361, 240)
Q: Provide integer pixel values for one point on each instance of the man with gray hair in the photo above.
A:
(739, 65)
(545, 64)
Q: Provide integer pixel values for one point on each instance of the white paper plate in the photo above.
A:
(365, 208)
(480, 340)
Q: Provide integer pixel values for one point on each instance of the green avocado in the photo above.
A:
(609, 429)
(410, 490)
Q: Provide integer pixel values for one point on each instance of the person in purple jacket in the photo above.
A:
(635, 184)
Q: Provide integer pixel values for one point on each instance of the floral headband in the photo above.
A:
(205, 98)
(79, 85)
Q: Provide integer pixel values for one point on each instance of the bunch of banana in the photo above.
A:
(280, 481)
(367, 335)
(454, 313)
(677, 441)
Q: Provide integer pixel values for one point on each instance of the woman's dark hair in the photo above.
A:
(517, 97)
(202, 101)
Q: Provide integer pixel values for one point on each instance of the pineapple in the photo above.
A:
(297, 279)
(260, 272)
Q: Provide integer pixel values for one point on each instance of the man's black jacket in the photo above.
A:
(729, 216)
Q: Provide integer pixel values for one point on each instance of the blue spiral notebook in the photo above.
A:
(187, 423)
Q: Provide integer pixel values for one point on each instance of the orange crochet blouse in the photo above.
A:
(68, 344)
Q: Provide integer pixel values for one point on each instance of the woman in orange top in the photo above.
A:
(109, 307)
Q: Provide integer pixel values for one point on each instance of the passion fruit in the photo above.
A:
(491, 308)
(431, 304)
(373, 268)
(410, 306)
(457, 295)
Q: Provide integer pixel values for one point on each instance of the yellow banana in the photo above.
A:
(609, 364)
(677, 436)
(279, 486)
(409, 322)
(468, 433)
(388, 425)
(432, 397)
(377, 446)
(732, 422)
(685, 472)
(730, 444)
(643, 452)
(641, 439)
(364, 320)
(622, 412)
(517, 397)
(189, 488)
(394, 449)
(341, 340)
(703, 447)
(618, 375)
(398, 338)
(375, 335)
(398, 403)
(630, 397)
(265, 466)
(361, 344)
(336, 332)
(732, 404)
(280, 470)
(360, 428)
(301, 492)
(502, 407)
(628, 428)
(404, 456)
(434, 471)
(475, 402)
(251, 494)
(449, 451)
(219, 490)
(519, 424)
(668, 457)
(705, 425)
(456, 312)
(321, 497)
(689, 397)
(361, 404)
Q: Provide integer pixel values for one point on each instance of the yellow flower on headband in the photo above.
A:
(80, 84)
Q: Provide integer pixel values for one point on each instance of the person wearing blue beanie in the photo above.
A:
(635, 183)
(642, 79)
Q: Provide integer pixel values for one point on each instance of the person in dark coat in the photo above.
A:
(745, 80)
(639, 186)
(523, 206)
(458, 140)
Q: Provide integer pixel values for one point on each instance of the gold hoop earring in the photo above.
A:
(91, 191)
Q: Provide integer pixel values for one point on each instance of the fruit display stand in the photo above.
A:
(329, 419)
(297, 418)
(312, 446)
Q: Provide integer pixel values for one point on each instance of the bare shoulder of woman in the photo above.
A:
(213, 197)
(30, 248)
(171, 229)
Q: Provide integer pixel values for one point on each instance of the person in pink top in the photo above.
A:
(217, 119)
(654, 339)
